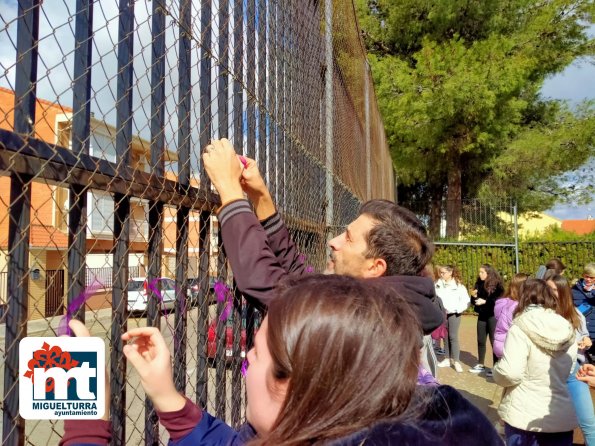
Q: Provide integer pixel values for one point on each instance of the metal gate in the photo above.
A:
(54, 292)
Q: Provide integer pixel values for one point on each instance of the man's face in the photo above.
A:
(348, 249)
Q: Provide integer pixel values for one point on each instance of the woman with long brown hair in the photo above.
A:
(579, 391)
(334, 361)
(488, 288)
(504, 309)
(455, 299)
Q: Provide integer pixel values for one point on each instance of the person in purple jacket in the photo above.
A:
(385, 242)
(503, 310)
(324, 369)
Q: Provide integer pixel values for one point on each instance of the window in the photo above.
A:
(101, 215)
(102, 146)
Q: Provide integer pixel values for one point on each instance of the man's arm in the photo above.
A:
(256, 268)
(283, 246)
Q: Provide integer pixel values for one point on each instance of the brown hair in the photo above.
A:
(456, 274)
(349, 351)
(566, 307)
(493, 281)
(556, 265)
(398, 237)
(536, 292)
(514, 287)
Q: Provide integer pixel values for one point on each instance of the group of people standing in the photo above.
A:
(541, 330)
(455, 298)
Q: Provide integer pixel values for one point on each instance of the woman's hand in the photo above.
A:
(585, 343)
(149, 355)
(480, 301)
(474, 293)
(586, 373)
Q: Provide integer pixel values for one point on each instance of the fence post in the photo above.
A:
(516, 239)
(81, 129)
(13, 432)
(367, 131)
(122, 221)
(328, 99)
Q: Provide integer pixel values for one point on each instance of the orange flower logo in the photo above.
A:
(49, 357)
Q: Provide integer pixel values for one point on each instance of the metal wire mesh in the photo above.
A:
(104, 108)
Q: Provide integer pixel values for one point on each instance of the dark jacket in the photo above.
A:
(486, 311)
(580, 297)
(448, 419)
(260, 254)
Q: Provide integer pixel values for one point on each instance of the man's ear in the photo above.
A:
(376, 268)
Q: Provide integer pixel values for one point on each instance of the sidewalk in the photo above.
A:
(478, 389)
(96, 321)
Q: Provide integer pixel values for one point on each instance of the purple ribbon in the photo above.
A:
(244, 368)
(75, 305)
(425, 378)
(223, 294)
(302, 260)
(152, 286)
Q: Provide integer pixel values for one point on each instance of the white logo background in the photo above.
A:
(82, 372)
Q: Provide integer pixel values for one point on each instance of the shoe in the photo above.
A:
(439, 351)
(479, 368)
(458, 367)
(489, 373)
(444, 363)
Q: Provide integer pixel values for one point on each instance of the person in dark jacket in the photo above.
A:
(487, 289)
(583, 295)
(385, 242)
(324, 370)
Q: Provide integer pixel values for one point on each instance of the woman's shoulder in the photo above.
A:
(505, 301)
(445, 417)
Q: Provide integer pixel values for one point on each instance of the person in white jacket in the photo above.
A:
(539, 353)
(455, 299)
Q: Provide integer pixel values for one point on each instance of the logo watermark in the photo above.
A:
(61, 378)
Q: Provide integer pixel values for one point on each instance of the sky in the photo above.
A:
(574, 84)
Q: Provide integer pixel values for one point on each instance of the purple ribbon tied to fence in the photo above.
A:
(153, 286)
(75, 306)
(223, 294)
(302, 260)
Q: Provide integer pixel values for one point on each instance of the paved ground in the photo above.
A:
(478, 389)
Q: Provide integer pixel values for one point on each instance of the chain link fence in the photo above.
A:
(489, 234)
(104, 109)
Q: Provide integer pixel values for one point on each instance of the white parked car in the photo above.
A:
(139, 292)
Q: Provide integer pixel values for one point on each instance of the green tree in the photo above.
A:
(458, 87)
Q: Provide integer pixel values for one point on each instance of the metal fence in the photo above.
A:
(489, 234)
(531, 255)
(104, 108)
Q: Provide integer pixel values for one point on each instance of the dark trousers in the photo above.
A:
(452, 349)
(519, 437)
(485, 328)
